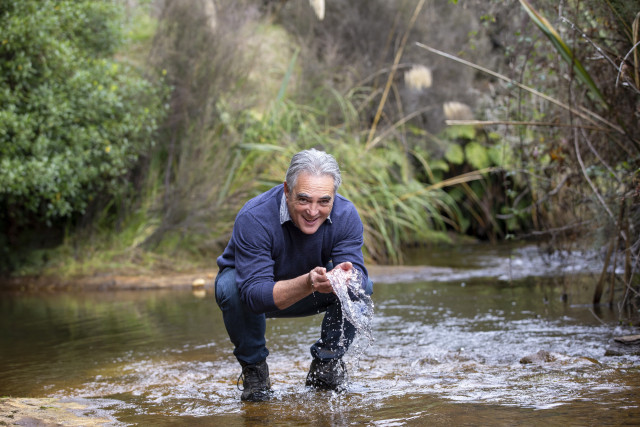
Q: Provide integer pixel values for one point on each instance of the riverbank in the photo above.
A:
(119, 281)
(107, 282)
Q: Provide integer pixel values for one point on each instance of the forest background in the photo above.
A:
(131, 132)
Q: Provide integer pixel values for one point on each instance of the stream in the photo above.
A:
(449, 332)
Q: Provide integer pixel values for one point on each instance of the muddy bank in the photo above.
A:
(107, 282)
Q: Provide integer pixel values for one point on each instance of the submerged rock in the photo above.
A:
(49, 412)
(558, 359)
(628, 345)
(542, 356)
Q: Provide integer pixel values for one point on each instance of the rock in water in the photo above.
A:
(628, 339)
(628, 345)
(542, 356)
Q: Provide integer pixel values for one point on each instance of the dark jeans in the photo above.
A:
(247, 329)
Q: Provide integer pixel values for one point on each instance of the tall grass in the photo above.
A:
(395, 207)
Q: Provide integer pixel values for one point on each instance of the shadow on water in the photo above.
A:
(444, 352)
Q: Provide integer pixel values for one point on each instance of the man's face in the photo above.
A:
(310, 201)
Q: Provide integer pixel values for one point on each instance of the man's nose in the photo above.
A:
(313, 209)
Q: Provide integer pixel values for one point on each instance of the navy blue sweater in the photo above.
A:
(263, 251)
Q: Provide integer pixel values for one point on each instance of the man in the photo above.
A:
(275, 265)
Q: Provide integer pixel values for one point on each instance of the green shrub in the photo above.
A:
(73, 121)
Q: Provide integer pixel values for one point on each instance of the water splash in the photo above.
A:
(357, 306)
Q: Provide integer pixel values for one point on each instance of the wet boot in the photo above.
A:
(327, 375)
(256, 386)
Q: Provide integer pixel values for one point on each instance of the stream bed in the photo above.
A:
(449, 334)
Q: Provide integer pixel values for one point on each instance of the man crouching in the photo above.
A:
(275, 265)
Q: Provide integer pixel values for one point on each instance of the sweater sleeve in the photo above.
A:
(254, 264)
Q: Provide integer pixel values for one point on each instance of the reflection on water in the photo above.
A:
(443, 353)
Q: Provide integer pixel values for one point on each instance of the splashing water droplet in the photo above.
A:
(357, 306)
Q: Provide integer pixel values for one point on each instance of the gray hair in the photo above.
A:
(314, 162)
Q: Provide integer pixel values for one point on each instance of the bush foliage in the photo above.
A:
(73, 121)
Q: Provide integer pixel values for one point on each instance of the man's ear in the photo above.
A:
(286, 190)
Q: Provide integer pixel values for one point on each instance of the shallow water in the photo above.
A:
(444, 352)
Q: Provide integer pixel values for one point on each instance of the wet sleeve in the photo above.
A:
(254, 264)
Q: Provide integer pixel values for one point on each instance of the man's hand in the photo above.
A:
(319, 280)
(288, 292)
(346, 266)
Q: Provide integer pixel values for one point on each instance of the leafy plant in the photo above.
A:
(73, 122)
(395, 207)
(561, 47)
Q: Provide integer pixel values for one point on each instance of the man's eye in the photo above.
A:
(325, 202)
(303, 201)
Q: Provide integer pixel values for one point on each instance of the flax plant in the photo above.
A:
(396, 209)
